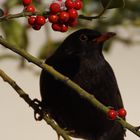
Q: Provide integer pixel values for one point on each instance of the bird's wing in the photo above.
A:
(55, 94)
(104, 86)
(116, 95)
(67, 65)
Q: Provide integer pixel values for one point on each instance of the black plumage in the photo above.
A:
(80, 58)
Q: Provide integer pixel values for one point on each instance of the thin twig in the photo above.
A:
(98, 16)
(30, 102)
(89, 97)
(22, 14)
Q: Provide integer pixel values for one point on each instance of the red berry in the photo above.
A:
(55, 8)
(69, 4)
(56, 27)
(64, 16)
(36, 27)
(73, 13)
(40, 20)
(53, 18)
(31, 20)
(30, 8)
(26, 2)
(112, 114)
(64, 28)
(122, 112)
(72, 23)
(78, 4)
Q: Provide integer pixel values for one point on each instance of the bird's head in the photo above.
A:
(85, 40)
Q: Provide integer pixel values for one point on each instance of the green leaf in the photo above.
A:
(11, 3)
(15, 33)
(113, 3)
(48, 49)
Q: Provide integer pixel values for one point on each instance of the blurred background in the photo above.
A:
(122, 52)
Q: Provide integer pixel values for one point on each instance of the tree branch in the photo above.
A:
(89, 97)
(23, 14)
(46, 14)
(30, 102)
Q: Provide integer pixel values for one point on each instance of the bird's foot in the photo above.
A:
(38, 113)
(58, 136)
(137, 128)
(69, 132)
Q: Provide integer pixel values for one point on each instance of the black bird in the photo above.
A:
(80, 58)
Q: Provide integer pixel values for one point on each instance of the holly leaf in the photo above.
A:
(11, 3)
(15, 33)
(48, 49)
(113, 3)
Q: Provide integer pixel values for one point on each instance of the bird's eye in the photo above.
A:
(83, 37)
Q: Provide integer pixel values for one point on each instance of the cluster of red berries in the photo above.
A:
(62, 14)
(112, 114)
(35, 21)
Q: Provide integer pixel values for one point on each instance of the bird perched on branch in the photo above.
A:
(81, 59)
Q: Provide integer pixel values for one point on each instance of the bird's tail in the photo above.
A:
(115, 133)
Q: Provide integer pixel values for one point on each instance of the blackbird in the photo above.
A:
(80, 58)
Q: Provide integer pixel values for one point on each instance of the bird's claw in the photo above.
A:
(137, 128)
(58, 136)
(69, 132)
(38, 113)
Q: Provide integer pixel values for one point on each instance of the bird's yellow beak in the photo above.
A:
(105, 36)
